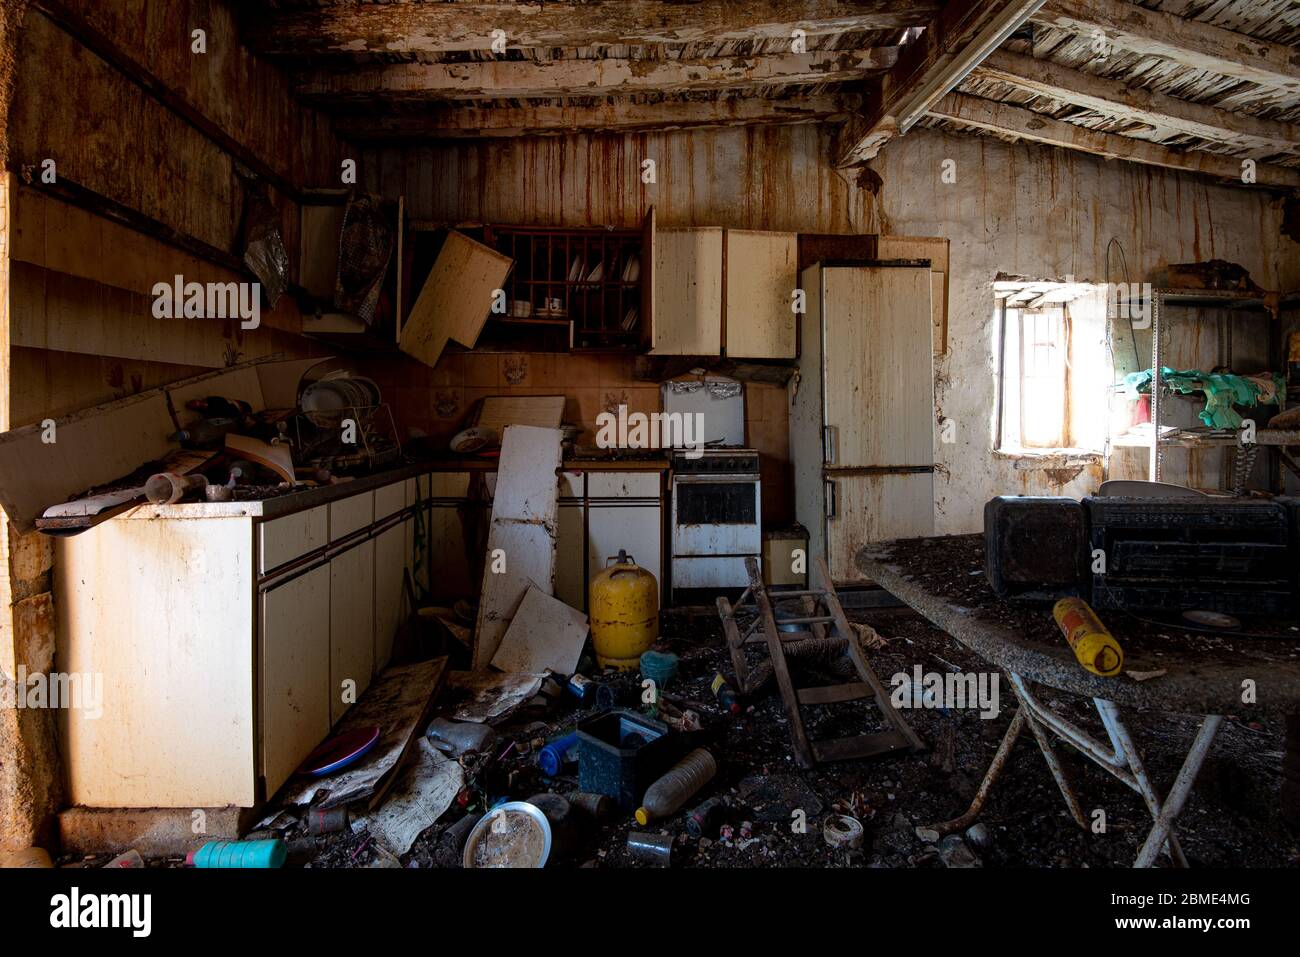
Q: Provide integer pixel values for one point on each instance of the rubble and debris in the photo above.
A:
(423, 793)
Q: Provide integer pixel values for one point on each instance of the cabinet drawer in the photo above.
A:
(284, 539)
(623, 484)
(351, 514)
(389, 499)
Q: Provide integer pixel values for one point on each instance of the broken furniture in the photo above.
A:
(1192, 680)
(821, 620)
(231, 637)
(862, 415)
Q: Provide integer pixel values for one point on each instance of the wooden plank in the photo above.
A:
(760, 283)
(521, 538)
(107, 49)
(965, 32)
(1112, 97)
(544, 635)
(522, 79)
(169, 642)
(454, 303)
(1026, 124)
(834, 694)
(860, 746)
(499, 411)
(295, 673)
(935, 249)
(617, 115)
(1201, 46)
(879, 384)
(687, 275)
(406, 27)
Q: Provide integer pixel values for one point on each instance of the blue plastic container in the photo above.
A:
(552, 758)
(659, 666)
(262, 854)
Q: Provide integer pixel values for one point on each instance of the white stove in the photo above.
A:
(716, 517)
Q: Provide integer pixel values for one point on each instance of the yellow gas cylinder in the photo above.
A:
(624, 612)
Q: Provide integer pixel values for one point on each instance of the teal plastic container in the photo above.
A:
(265, 854)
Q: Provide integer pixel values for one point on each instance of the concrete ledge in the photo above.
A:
(154, 832)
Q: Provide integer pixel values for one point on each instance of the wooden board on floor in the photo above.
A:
(521, 538)
(545, 635)
(455, 300)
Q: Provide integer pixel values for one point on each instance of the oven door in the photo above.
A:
(716, 515)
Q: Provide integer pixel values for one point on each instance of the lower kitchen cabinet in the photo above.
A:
(625, 512)
(223, 642)
(352, 626)
(295, 671)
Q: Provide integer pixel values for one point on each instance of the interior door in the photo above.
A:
(878, 378)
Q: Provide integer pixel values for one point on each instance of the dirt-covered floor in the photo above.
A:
(1232, 819)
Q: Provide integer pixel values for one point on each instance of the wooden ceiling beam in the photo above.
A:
(965, 33)
(1002, 118)
(1135, 104)
(407, 27)
(524, 79)
(1190, 43)
(614, 116)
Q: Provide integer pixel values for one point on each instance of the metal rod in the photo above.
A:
(990, 777)
(1181, 790)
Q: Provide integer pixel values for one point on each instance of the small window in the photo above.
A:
(1054, 381)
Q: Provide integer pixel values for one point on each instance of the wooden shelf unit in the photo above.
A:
(553, 264)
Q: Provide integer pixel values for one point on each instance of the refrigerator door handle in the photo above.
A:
(830, 443)
(832, 506)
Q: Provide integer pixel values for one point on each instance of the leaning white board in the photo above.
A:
(521, 538)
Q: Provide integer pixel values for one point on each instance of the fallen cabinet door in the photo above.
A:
(295, 673)
(454, 302)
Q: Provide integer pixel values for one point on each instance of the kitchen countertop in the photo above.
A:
(290, 502)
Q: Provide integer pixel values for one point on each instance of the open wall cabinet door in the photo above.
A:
(456, 298)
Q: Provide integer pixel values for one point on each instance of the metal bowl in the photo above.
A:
(535, 818)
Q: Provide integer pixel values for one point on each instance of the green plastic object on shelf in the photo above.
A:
(1222, 390)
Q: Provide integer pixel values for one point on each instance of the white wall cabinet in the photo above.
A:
(687, 292)
(223, 633)
(762, 272)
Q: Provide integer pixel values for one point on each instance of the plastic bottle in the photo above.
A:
(266, 854)
(553, 756)
(1094, 646)
(678, 786)
(726, 695)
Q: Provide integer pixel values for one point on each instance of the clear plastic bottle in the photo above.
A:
(678, 786)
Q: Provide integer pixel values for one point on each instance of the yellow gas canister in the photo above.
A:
(624, 612)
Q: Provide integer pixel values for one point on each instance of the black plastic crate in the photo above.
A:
(1234, 557)
(621, 753)
(1036, 547)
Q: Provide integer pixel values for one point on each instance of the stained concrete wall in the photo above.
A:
(1020, 209)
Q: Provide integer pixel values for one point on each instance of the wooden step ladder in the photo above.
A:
(822, 619)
